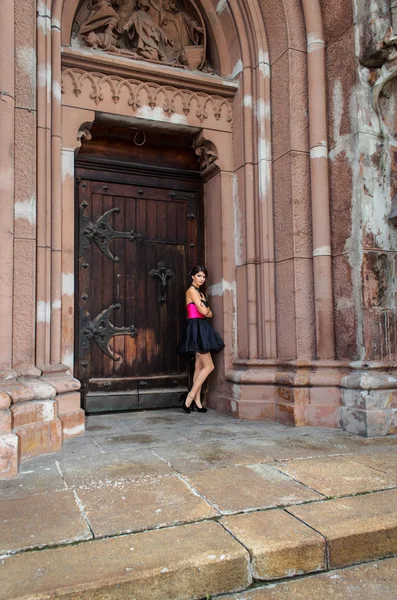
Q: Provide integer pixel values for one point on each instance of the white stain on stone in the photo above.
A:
(57, 91)
(220, 7)
(237, 218)
(322, 251)
(218, 289)
(157, 114)
(44, 75)
(67, 164)
(55, 23)
(313, 42)
(264, 68)
(237, 69)
(263, 56)
(70, 431)
(43, 311)
(264, 178)
(56, 305)
(67, 284)
(337, 108)
(47, 412)
(68, 359)
(319, 152)
(42, 9)
(26, 210)
(247, 101)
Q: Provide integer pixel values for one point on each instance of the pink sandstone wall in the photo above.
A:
(306, 344)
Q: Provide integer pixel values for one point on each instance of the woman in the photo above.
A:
(199, 338)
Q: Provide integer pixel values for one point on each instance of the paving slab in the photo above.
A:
(33, 479)
(304, 446)
(136, 440)
(118, 467)
(280, 545)
(161, 419)
(357, 529)
(181, 563)
(210, 455)
(337, 475)
(40, 520)
(100, 425)
(385, 461)
(374, 581)
(234, 489)
(134, 506)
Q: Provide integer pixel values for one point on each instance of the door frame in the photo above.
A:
(99, 169)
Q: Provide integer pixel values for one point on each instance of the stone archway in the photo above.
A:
(253, 323)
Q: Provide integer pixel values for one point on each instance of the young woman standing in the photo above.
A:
(199, 338)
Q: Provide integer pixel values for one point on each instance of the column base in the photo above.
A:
(39, 408)
(358, 397)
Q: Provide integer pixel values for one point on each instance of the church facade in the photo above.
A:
(143, 137)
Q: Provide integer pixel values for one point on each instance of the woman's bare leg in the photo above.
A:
(207, 368)
(198, 365)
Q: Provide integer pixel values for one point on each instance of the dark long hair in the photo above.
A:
(196, 270)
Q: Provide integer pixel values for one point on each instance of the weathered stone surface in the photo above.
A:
(242, 488)
(337, 475)
(33, 479)
(5, 422)
(386, 462)
(279, 545)
(40, 520)
(5, 401)
(72, 424)
(222, 453)
(39, 438)
(124, 441)
(133, 506)
(181, 563)
(89, 471)
(8, 455)
(356, 529)
(375, 581)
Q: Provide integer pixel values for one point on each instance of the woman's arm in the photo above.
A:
(193, 296)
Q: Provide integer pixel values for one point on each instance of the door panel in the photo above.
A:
(133, 268)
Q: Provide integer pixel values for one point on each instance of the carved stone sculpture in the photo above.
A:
(167, 31)
(206, 154)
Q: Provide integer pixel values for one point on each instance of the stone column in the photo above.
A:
(7, 117)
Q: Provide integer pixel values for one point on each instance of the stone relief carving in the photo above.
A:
(167, 31)
(171, 100)
(206, 154)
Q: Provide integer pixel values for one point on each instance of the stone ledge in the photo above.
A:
(183, 563)
(356, 529)
(280, 545)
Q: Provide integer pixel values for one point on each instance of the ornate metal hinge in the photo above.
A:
(102, 233)
(100, 330)
(163, 274)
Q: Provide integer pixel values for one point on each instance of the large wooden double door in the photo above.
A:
(138, 237)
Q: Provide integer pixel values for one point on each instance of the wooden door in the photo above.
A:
(138, 238)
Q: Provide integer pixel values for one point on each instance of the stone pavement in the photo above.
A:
(161, 505)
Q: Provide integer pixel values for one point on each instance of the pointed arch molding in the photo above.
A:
(237, 29)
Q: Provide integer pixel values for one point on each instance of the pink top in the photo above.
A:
(193, 312)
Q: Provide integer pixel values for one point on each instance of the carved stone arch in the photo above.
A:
(65, 11)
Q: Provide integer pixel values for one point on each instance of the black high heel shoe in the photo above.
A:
(201, 409)
(187, 409)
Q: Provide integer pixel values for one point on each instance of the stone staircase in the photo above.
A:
(261, 517)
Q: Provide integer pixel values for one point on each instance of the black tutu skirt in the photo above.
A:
(199, 336)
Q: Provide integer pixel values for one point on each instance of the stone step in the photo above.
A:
(201, 560)
(371, 581)
(188, 561)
